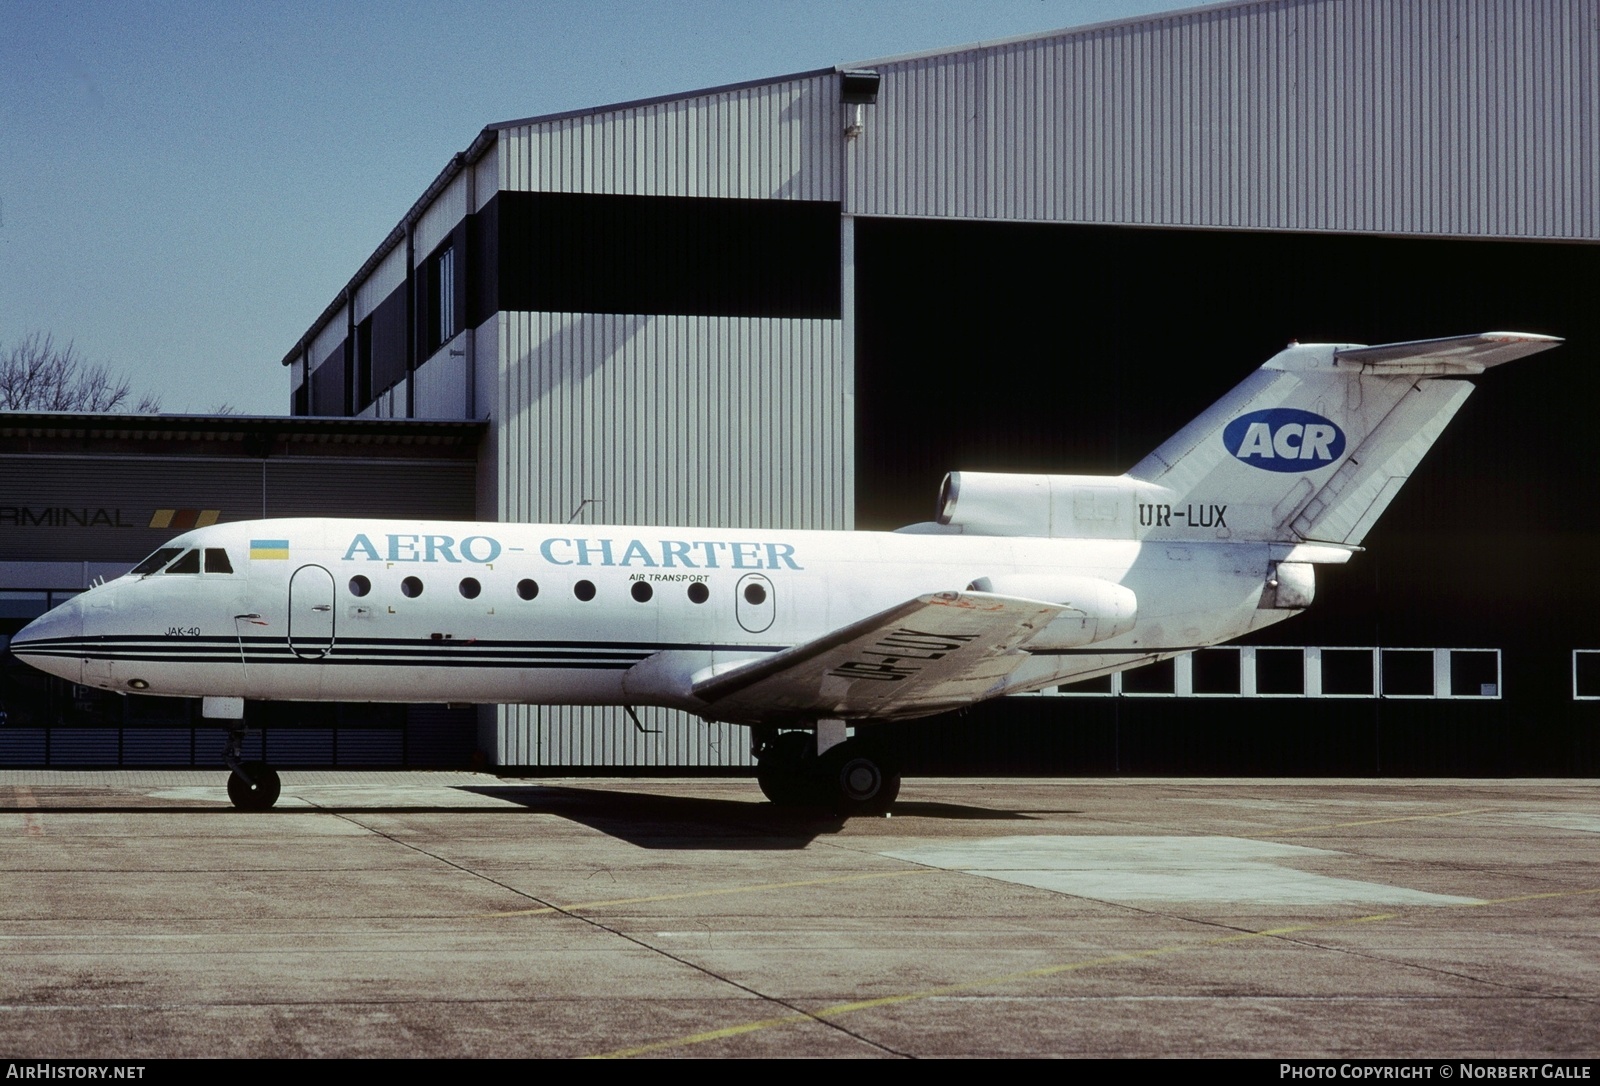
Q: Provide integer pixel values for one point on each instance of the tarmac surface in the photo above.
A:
(460, 914)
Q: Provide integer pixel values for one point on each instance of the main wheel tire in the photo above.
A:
(786, 771)
(260, 795)
(860, 780)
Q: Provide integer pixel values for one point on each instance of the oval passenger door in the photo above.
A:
(311, 612)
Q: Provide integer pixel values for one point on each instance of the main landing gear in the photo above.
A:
(852, 776)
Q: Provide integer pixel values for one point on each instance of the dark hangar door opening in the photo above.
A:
(1078, 349)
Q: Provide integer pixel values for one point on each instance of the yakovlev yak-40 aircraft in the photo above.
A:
(1023, 582)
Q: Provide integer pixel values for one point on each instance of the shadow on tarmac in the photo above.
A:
(678, 822)
(643, 819)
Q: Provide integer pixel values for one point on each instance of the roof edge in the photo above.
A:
(242, 424)
(592, 111)
(1063, 32)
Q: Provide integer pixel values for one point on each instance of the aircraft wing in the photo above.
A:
(931, 653)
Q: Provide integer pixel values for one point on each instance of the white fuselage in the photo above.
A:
(358, 610)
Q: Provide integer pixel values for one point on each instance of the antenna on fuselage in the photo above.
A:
(641, 728)
(578, 512)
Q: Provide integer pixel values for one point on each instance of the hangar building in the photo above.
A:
(798, 301)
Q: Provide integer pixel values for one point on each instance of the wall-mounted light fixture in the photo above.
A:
(858, 90)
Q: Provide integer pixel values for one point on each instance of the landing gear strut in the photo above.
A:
(252, 786)
(853, 777)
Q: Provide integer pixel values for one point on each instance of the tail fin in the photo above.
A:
(1314, 445)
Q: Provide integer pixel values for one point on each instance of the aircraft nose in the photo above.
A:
(54, 641)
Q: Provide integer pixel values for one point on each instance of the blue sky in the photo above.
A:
(184, 187)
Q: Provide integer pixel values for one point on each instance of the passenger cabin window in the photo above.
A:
(217, 561)
(189, 563)
(156, 561)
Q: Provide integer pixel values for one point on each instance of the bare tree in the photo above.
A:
(36, 375)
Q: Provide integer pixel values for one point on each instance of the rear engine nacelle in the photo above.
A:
(1045, 506)
(1097, 609)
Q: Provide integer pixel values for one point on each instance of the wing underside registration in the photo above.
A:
(932, 653)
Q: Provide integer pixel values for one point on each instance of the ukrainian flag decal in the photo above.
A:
(270, 549)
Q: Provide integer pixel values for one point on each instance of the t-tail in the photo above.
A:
(1314, 445)
(1305, 454)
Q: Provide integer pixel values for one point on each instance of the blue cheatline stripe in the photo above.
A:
(479, 644)
(590, 655)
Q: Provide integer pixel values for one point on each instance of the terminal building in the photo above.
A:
(85, 497)
(797, 302)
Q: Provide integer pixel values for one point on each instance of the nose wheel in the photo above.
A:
(253, 786)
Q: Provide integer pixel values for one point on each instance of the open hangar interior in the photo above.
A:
(797, 302)
(1080, 348)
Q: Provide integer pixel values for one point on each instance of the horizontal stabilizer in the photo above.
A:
(928, 654)
(1451, 356)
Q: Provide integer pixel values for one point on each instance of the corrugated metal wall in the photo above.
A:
(774, 141)
(1457, 117)
(447, 209)
(330, 336)
(386, 278)
(675, 420)
(666, 420)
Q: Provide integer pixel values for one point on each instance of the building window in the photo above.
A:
(1586, 674)
(1248, 671)
(442, 322)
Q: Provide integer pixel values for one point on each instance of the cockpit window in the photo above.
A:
(156, 561)
(217, 561)
(189, 563)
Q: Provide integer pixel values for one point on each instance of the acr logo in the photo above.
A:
(1284, 439)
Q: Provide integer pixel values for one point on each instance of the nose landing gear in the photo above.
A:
(252, 786)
